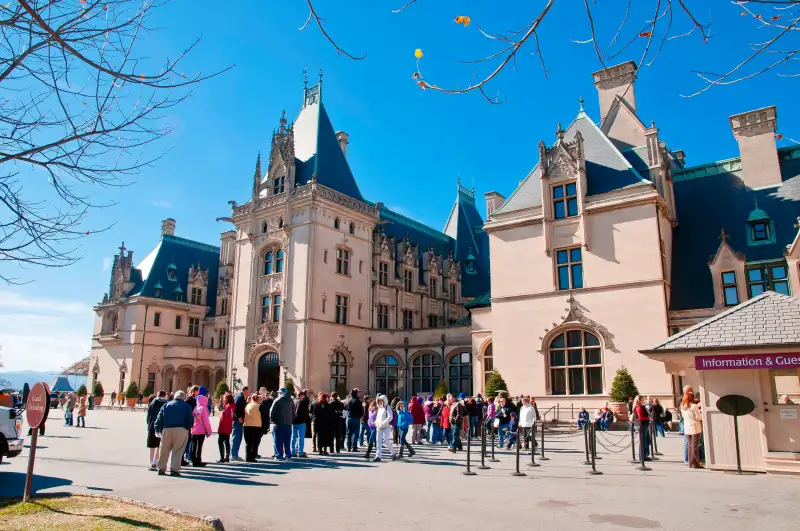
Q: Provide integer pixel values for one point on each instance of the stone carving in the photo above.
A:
(434, 265)
(575, 315)
(341, 347)
(124, 366)
(408, 259)
(269, 333)
(272, 283)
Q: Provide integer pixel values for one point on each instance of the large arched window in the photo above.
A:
(576, 364)
(426, 371)
(488, 362)
(338, 372)
(387, 376)
(273, 262)
(268, 263)
(461, 373)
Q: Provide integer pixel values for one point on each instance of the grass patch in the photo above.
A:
(80, 513)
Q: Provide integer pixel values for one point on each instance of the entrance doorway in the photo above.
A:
(268, 372)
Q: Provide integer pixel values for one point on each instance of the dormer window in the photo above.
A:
(760, 228)
(158, 290)
(178, 294)
(197, 296)
(171, 268)
(336, 224)
(278, 185)
(730, 292)
(470, 264)
(565, 200)
(408, 277)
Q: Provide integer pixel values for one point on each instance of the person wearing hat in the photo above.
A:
(174, 421)
(282, 415)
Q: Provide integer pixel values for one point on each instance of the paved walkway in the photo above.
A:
(346, 492)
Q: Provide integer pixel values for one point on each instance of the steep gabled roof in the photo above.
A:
(768, 319)
(606, 168)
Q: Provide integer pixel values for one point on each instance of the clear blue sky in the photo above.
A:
(407, 146)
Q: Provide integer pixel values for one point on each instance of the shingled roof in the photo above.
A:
(770, 319)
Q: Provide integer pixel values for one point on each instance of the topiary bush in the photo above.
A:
(148, 390)
(82, 391)
(97, 390)
(289, 385)
(221, 389)
(441, 390)
(132, 391)
(623, 386)
(495, 384)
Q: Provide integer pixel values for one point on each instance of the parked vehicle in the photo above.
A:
(11, 439)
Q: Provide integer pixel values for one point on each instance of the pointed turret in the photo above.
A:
(257, 176)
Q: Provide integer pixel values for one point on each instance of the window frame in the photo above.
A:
(389, 389)
(566, 369)
(339, 361)
(569, 265)
(455, 362)
(434, 286)
(223, 306)
(768, 282)
(488, 361)
(178, 322)
(566, 199)
(383, 273)
(352, 228)
(408, 279)
(222, 338)
(197, 296)
(343, 261)
(194, 327)
(383, 316)
(728, 285)
(341, 309)
(279, 184)
(275, 309)
(408, 319)
(157, 319)
(337, 224)
(418, 377)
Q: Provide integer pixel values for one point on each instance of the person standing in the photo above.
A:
(282, 417)
(225, 427)
(642, 419)
(365, 427)
(444, 418)
(252, 428)
(503, 417)
(692, 427)
(173, 422)
(154, 441)
(527, 421)
(404, 421)
(472, 411)
(657, 415)
(418, 420)
(82, 413)
(322, 418)
(201, 430)
(355, 410)
(383, 426)
(458, 412)
(113, 397)
(427, 408)
(264, 408)
(301, 418)
(238, 422)
(191, 398)
(338, 421)
(372, 415)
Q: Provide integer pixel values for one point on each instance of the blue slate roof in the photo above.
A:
(607, 169)
(713, 197)
(183, 253)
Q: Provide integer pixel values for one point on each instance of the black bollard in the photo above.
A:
(533, 462)
(483, 447)
(593, 437)
(517, 472)
(633, 460)
(651, 430)
(642, 466)
(493, 460)
(543, 458)
(468, 471)
(586, 443)
(653, 439)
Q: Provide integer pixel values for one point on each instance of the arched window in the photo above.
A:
(426, 371)
(280, 223)
(352, 228)
(264, 228)
(386, 376)
(576, 364)
(461, 373)
(279, 261)
(268, 263)
(336, 224)
(338, 372)
(488, 362)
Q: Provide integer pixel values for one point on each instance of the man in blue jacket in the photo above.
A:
(240, 402)
(174, 421)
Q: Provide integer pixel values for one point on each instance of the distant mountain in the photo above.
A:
(19, 378)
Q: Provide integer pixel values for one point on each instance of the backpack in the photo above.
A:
(436, 412)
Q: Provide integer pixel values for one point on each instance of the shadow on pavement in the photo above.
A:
(13, 483)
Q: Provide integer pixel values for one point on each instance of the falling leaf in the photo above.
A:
(141, 76)
(758, 17)
(462, 19)
(415, 76)
(779, 136)
(743, 14)
(418, 53)
(646, 34)
(421, 84)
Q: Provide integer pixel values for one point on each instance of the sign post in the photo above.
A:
(36, 410)
(736, 406)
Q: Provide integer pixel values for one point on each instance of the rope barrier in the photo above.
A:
(609, 450)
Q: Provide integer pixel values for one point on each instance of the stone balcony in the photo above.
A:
(111, 336)
(272, 283)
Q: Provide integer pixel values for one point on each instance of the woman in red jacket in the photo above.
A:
(227, 405)
(418, 414)
(445, 422)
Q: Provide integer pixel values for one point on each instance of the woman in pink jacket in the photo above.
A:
(200, 430)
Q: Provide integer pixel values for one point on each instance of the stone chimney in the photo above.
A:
(493, 202)
(168, 227)
(615, 81)
(755, 133)
(343, 139)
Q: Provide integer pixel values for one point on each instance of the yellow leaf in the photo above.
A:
(418, 53)
(141, 76)
(463, 19)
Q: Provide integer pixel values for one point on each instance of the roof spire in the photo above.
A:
(722, 235)
(283, 122)
(580, 102)
(257, 175)
(560, 132)
(305, 76)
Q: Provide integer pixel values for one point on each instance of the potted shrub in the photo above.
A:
(82, 391)
(441, 390)
(288, 383)
(132, 394)
(97, 391)
(148, 390)
(622, 388)
(495, 385)
(221, 389)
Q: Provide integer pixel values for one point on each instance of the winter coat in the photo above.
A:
(82, 407)
(404, 420)
(337, 406)
(322, 417)
(202, 422)
(504, 414)
(527, 416)
(354, 407)
(427, 409)
(152, 411)
(252, 415)
(491, 411)
(263, 409)
(417, 412)
(282, 412)
(371, 417)
(444, 418)
(384, 417)
(226, 420)
(174, 414)
(457, 413)
(241, 403)
(301, 411)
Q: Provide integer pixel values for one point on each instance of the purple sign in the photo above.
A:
(747, 361)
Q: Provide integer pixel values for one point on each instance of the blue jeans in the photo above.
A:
(502, 432)
(437, 433)
(455, 437)
(660, 429)
(364, 430)
(81, 421)
(445, 438)
(281, 437)
(604, 424)
(645, 430)
(582, 423)
(473, 427)
(298, 439)
(353, 427)
(428, 432)
(685, 448)
(372, 433)
(238, 434)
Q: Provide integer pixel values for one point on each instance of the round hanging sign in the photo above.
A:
(38, 405)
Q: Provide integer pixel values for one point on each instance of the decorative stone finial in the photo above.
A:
(580, 102)
(560, 132)
(722, 235)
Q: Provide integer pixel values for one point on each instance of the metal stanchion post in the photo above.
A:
(593, 435)
(532, 432)
(653, 437)
(633, 460)
(483, 447)
(543, 458)
(468, 471)
(493, 460)
(517, 472)
(586, 443)
(642, 449)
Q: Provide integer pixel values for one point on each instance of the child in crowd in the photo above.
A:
(511, 431)
(82, 413)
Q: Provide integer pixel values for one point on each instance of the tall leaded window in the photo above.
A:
(576, 364)
(408, 319)
(338, 372)
(276, 309)
(453, 293)
(768, 277)
(383, 316)
(223, 338)
(434, 287)
(268, 265)
(336, 223)
(383, 273)
(488, 362)
(266, 302)
(408, 279)
(279, 261)
(197, 296)
(223, 307)
(278, 184)
(461, 373)
(343, 261)
(426, 371)
(730, 292)
(151, 381)
(565, 200)
(273, 262)
(194, 327)
(569, 266)
(387, 376)
(341, 309)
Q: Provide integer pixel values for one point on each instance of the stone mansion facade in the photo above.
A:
(610, 244)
